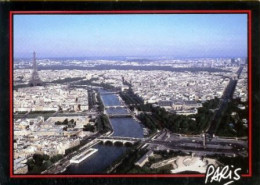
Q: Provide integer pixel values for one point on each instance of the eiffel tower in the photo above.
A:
(35, 79)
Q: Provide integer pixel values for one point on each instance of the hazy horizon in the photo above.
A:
(125, 57)
(137, 35)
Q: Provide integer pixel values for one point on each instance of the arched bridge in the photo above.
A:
(115, 106)
(119, 140)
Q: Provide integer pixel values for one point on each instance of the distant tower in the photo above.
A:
(35, 79)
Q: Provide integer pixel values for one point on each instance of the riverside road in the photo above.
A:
(128, 129)
(227, 96)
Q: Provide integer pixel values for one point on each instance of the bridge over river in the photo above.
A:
(123, 140)
(115, 106)
(128, 131)
(230, 147)
(109, 92)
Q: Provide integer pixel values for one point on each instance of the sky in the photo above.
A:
(174, 35)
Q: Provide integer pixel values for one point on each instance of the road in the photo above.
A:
(226, 97)
(62, 164)
(178, 143)
(174, 142)
(191, 143)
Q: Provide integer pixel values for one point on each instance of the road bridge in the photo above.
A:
(105, 93)
(115, 106)
(229, 148)
(118, 140)
(119, 115)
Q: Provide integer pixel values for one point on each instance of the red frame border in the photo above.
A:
(11, 13)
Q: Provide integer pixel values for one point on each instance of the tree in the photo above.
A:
(30, 164)
(58, 123)
(55, 158)
(46, 157)
(65, 122)
(89, 127)
(71, 123)
(38, 159)
(46, 164)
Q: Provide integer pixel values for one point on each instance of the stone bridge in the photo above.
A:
(115, 106)
(119, 115)
(126, 141)
(104, 93)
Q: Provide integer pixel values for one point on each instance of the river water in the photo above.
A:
(106, 155)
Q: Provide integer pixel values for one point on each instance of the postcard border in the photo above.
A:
(249, 18)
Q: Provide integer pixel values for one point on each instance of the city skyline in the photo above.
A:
(174, 115)
(175, 35)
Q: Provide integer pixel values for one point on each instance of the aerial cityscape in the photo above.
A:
(152, 108)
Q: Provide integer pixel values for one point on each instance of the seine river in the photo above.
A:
(106, 155)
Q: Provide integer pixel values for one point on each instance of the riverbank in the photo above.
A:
(108, 155)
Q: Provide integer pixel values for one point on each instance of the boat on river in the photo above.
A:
(82, 156)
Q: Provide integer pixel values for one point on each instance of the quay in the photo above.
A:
(82, 156)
